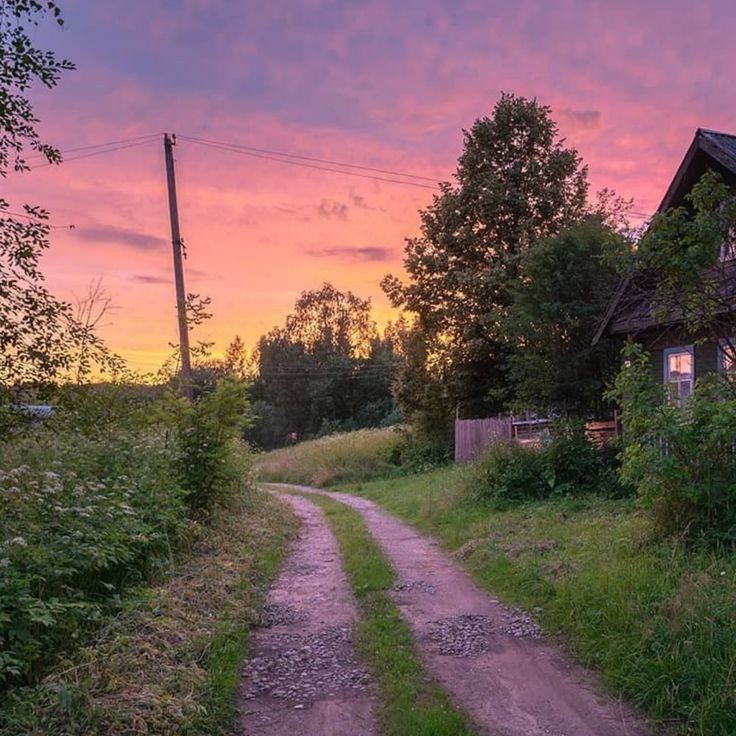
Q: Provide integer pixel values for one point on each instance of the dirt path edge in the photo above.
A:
(501, 670)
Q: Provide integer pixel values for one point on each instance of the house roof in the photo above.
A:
(709, 150)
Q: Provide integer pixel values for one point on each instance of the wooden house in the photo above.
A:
(679, 357)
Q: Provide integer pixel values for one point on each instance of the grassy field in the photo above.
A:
(169, 663)
(410, 702)
(339, 458)
(656, 619)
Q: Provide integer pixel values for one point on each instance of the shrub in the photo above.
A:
(567, 462)
(574, 464)
(682, 460)
(209, 459)
(509, 472)
(81, 519)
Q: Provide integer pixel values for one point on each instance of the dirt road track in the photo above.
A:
(303, 677)
(494, 664)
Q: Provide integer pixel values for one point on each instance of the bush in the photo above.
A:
(81, 519)
(209, 459)
(566, 462)
(682, 460)
(509, 472)
(573, 464)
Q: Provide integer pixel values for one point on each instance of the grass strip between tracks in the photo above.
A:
(411, 702)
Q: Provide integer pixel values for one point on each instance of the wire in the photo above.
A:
(95, 153)
(151, 136)
(307, 158)
(227, 147)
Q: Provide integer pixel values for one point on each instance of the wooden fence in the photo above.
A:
(472, 436)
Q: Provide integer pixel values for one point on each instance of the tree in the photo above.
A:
(565, 285)
(325, 370)
(515, 183)
(40, 338)
(684, 264)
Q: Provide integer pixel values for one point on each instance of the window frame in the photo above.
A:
(723, 343)
(669, 381)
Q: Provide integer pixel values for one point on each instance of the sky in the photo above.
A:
(388, 85)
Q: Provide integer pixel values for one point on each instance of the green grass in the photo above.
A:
(169, 663)
(656, 619)
(410, 702)
(339, 458)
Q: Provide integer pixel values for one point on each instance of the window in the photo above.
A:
(727, 356)
(728, 251)
(679, 370)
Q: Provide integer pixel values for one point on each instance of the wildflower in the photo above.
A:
(19, 541)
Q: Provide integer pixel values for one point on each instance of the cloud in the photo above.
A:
(329, 208)
(371, 253)
(128, 238)
(586, 119)
(143, 278)
(359, 201)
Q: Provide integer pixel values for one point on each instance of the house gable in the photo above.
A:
(709, 150)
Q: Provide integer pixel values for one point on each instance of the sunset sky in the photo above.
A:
(383, 84)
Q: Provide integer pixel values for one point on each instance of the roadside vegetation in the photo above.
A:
(339, 458)
(169, 660)
(133, 548)
(655, 616)
(410, 703)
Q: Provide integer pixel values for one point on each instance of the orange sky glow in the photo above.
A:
(377, 84)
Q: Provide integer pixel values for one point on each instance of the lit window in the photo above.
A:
(727, 356)
(679, 366)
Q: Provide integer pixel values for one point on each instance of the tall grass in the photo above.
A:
(657, 619)
(339, 458)
(169, 662)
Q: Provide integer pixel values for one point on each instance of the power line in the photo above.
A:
(96, 153)
(227, 147)
(64, 151)
(253, 149)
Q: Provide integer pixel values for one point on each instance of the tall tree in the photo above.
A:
(515, 182)
(325, 370)
(565, 285)
(40, 337)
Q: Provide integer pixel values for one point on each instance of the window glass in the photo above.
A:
(680, 365)
(727, 353)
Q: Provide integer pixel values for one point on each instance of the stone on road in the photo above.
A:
(303, 676)
(492, 659)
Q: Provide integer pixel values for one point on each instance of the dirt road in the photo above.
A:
(493, 660)
(303, 677)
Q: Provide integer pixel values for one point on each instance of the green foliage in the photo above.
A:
(40, 337)
(516, 182)
(169, 661)
(656, 619)
(509, 472)
(563, 292)
(682, 460)
(82, 518)
(327, 370)
(677, 265)
(566, 463)
(209, 468)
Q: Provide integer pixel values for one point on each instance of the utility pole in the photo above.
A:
(181, 297)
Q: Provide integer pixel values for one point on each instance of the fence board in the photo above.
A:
(472, 436)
